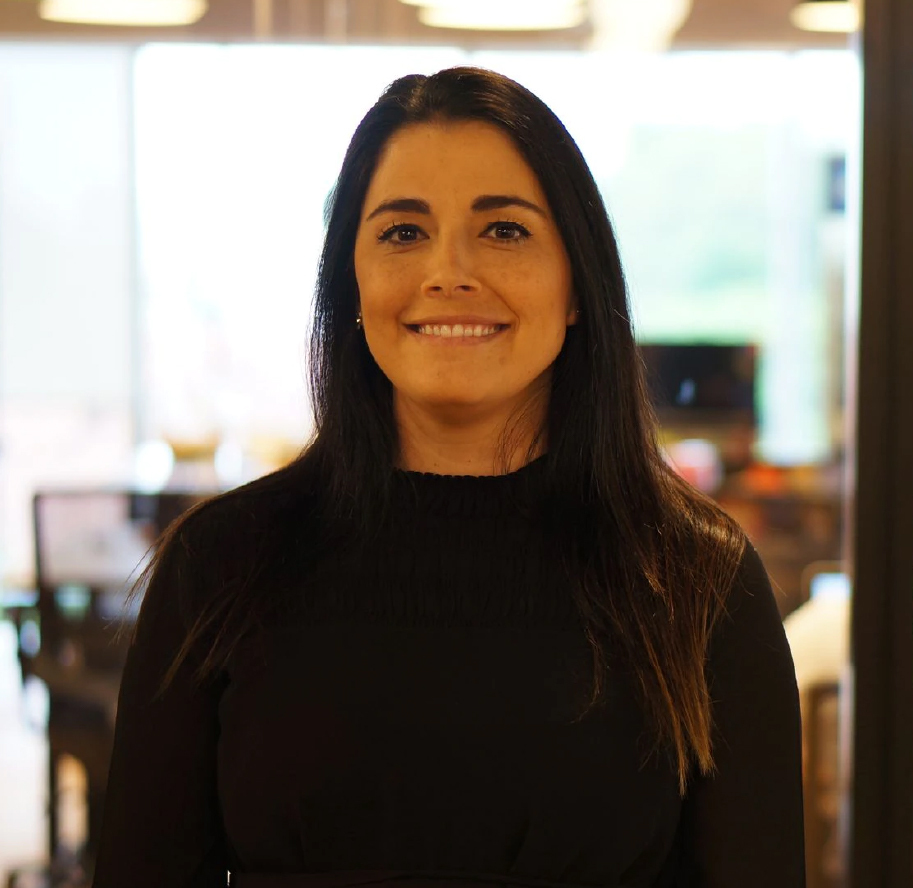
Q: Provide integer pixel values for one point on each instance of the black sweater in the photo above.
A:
(413, 720)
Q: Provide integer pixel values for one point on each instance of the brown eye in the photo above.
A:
(401, 234)
(507, 231)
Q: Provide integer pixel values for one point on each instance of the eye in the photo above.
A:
(401, 234)
(507, 231)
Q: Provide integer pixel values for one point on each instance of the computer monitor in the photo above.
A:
(702, 384)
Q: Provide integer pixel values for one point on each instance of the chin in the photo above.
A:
(454, 401)
(451, 402)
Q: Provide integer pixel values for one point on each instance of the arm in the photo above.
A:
(743, 825)
(162, 824)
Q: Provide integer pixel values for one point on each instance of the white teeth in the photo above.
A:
(457, 330)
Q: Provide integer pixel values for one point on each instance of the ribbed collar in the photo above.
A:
(468, 495)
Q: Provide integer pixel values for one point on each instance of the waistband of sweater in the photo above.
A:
(389, 879)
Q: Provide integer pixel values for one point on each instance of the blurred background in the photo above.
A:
(163, 171)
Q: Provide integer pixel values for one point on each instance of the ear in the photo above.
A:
(573, 313)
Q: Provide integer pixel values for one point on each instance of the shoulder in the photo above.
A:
(218, 544)
(221, 558)
(246, 516)
(752, 578)
(726, 566)
(751, 587)
(750, 626)
(714, 548)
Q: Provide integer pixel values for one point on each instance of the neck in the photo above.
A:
(452, 443)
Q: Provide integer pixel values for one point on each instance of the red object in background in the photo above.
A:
(763, 478)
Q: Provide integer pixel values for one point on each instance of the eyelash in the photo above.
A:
(509, 223)
(387, 235)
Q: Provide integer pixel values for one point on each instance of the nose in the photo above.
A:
(451, 269)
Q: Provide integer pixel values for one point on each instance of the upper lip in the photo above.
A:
(465, 320)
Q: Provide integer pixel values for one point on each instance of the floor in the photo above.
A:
(23, 775)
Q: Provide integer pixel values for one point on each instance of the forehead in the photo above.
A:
(468, 157)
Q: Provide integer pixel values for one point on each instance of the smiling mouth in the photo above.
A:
(458, 331)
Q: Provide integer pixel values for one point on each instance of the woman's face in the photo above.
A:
(464, 281)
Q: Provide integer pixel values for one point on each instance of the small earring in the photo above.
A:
(358, 320)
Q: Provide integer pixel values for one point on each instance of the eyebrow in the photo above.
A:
(479, 205)
(501, 201)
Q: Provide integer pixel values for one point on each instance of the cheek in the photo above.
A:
(381, 305)
(382, 309)
(544, 300)
(382, 291)
(540, 287)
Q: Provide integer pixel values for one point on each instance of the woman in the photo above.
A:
(478, 632)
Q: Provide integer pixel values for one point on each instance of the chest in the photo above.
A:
(391, 742)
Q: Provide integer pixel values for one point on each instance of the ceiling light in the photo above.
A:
(501, 15)
(837, 16)
(123, 12)
(647, 25)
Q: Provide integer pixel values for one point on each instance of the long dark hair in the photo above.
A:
(649, 559)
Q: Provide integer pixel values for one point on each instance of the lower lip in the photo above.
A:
(457, 340)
